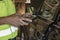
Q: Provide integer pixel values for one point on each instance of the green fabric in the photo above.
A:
(7, 8)
(3, 11)
(10, 7)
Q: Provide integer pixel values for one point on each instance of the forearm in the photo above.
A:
(3, 20)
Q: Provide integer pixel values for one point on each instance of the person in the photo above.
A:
(9, 20)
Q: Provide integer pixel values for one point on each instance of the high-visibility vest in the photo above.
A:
(7, 31)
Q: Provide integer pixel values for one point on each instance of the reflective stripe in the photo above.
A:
(8, 31)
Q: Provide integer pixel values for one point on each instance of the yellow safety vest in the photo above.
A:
(7, 31)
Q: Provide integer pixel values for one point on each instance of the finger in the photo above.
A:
(27, 15)
(23, 23)
(33, 16)
(26, 19)
(20, 23)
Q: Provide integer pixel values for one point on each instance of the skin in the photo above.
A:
(16, 19)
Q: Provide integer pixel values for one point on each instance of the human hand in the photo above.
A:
(17, 21)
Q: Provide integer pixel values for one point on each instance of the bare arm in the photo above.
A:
(14, 20)
(3, 20)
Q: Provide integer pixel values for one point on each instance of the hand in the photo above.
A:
(17, 21)
(26, 15)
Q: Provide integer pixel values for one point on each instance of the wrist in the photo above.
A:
(7, 19)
